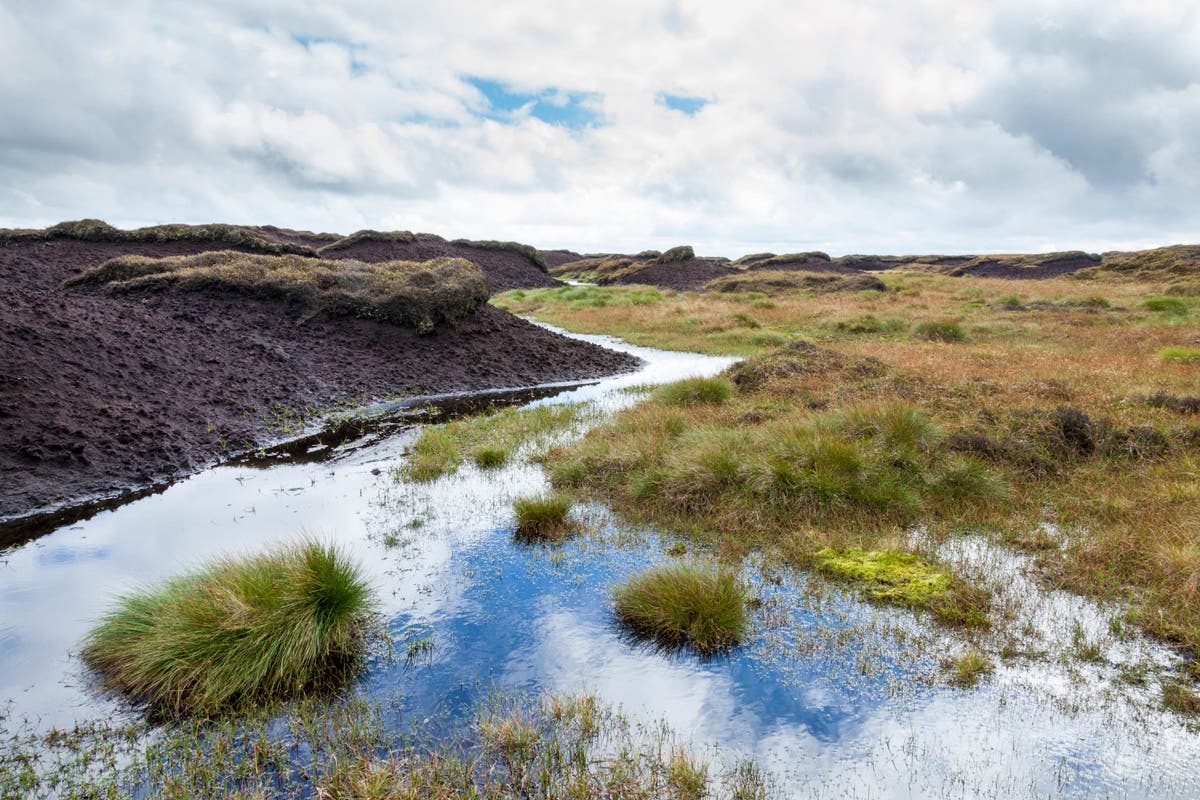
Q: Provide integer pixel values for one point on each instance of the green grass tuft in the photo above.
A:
(969, 668)
(489, 457)
(695, 391)
(1171, 306)
(685, 605)
(237, 633)
(939, 330)
(542, 518)
(1187, 355)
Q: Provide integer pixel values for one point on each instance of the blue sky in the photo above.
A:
(864, 126)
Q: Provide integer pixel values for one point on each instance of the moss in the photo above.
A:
(419, 295)
(903, 579)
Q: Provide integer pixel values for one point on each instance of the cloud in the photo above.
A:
(852, 127)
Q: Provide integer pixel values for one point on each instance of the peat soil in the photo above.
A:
(505, 269)
(101, 394)
(684, 276)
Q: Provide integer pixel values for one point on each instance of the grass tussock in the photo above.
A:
(969, 668)
(692, 605)
(939, 330)
(695, 391)
(543, 518)
(489, 440)
(237, 632)
(419, 295)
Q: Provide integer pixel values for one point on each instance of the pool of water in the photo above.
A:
(833, 697)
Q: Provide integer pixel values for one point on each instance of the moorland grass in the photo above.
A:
(542, 518)
(237, 632)
(95, 230)
(773, 281)
(1119, 478)
(419, 295)
(939, 330)
(367, 235)
(685, 605)
(487, 439)
(969, 668)
(695, 391)
(1186, 355)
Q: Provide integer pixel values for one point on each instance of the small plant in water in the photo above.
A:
(542, 518)
(489, 457)
(685, 605)
(967, 669)
(237, 633)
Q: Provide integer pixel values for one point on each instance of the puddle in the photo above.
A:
(832, 697)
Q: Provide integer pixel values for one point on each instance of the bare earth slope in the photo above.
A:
(101, 392)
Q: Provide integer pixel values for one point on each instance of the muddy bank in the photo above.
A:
(102, 392)
(505, 268)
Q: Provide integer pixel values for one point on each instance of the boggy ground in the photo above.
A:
(102, 391)
(1058, 416)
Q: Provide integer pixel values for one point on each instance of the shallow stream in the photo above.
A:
(832, 697)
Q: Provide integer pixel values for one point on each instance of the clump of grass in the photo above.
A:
(939, 330)
(899, 578)
(1186, 355)
(695, 391)
(400, 292)
(489, 456)
(967, 669)
(685, 605)
(441, 449)
(542, 518)
(1171, 306)
(1181, 698)
(237, 633)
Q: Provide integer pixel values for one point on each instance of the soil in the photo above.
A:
(685, 276)
(505, 269)
(556, 258)
(103, 393)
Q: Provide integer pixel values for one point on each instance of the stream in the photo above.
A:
(831, 696)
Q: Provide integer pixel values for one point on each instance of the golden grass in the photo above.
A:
(1057, 393)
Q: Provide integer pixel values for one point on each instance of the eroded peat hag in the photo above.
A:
(178, 355)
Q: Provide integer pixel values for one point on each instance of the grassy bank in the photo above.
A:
(419, 295)
(236, 633)
(954, 403)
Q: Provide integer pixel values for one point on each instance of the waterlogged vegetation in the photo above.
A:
(686, 604)
(543, 518)
(237, 633)
(489, 440)
(556, 746)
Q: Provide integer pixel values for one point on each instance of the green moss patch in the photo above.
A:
(898, 578)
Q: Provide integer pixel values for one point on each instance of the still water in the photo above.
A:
(832, 697)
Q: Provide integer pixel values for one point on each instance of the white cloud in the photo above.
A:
(858, 126)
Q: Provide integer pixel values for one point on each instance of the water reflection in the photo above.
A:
(830, 695)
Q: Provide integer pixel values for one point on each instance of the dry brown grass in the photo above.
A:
(1052, 392)
(400, 292)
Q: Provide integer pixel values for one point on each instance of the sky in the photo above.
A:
(850, 127)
